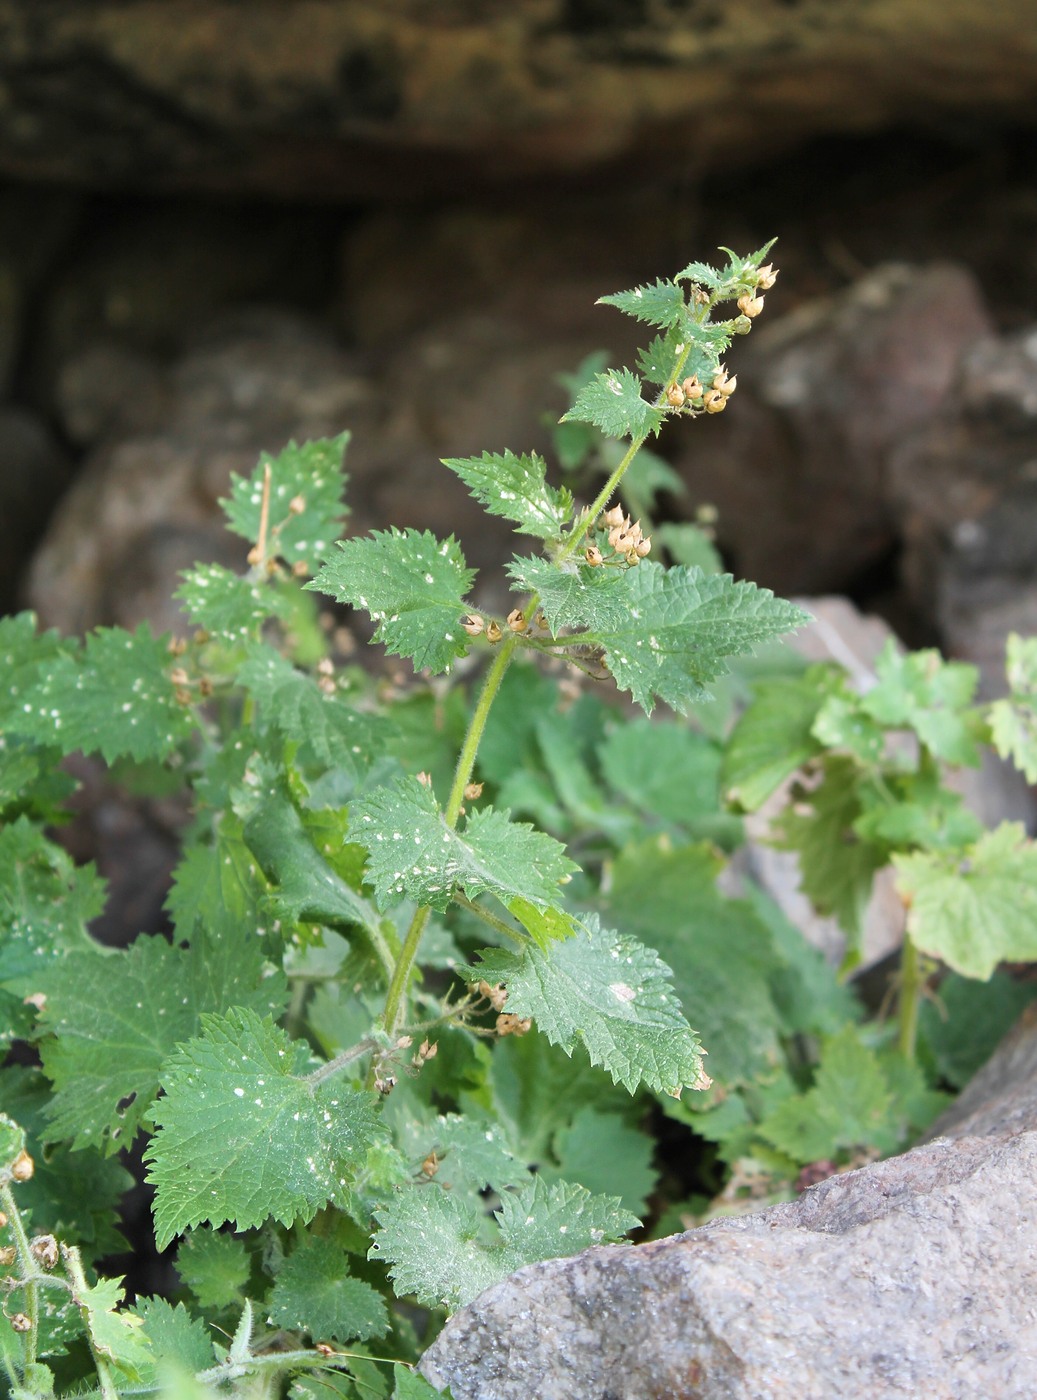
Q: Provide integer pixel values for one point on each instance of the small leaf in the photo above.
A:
(412, 585)
(243, 1135)
(609, 993)
(116, 699)
(573, 594)
(215, 1266)
(414, 854)
(976, 907)
(613, 403)
(774, 735)
(315, 1293)
(12, 1145)
(837, 864)
(230, 605)
(116, 1334)
(681, 628)
(659, 304)
(436, 1248)
(849, 1105)
(921, 691)
(45, 903)
(517, 489)
(291, 701)
(412, 1385)
(310, 476)
(176, 1338)
(113, 1020)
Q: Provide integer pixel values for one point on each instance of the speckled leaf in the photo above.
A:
(609, 993)
(116, 699)
(312, 477)
(244, 1136)
(413, 586)
(516, 488)
(612, 402)
(228, 604)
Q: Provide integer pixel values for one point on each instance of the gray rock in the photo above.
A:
(908, 1278)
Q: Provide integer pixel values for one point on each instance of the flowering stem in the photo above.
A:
(29, 1269)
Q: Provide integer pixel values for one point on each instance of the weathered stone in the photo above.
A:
(910, 1277)
(965, 489)
(33, 472)
(305, 98)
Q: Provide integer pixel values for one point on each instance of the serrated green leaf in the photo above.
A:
(228, 604)
(659, 304)
(12, 1145)
(45, 904)
(922, 812)
(848, 1106)
(516, 488)
(1013, 720)
(218, 887)
(721, 955)
(920, 691)
(472, 1152)
(435, 1247)
(774, 735)
(24, 657)
(315, 1293)
(215, 1266)
(412, 1385)
(416, 855)
(308, 887)
(311, 476)
(74, 1198)
(113, 1020)
(609, 993)
(612, 402)
(961, 1025)
(116, 1333)
(681, 628)
(841, 723)
(116, 699)
(413, 586)
(669, 771)
(837, 865)
(324, 722)
(244, 1136)
(573, 595)
(975, 907)
(606, 1156)
(175, 1336)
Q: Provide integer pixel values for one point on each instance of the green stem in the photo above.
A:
(340, 1061)
(393, 1014)
(476, 725)
(29, 1268)
(910, 998)
(484, 914)
(74, 1269)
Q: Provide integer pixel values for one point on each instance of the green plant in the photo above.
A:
(403, 1040)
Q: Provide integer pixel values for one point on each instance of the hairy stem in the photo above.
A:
(29, 1268)
(74, 1269)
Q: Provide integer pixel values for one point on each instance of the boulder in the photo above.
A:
(910, 1277)
(301, 98)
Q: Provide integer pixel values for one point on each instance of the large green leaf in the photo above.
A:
(609, 993)
(245, 1136)
(412, 585)
(976, 907)
(516, 488)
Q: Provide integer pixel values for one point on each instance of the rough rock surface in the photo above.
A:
(908, 1278)
(306, 97)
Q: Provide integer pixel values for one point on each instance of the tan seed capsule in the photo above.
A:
(3, 1220)
(766, 277)
(425, 779)
(473, 791)
(21, 1323)
(729, 386)
(593, 555)
(177, 646)
(44, 1250)
(692, 388)
(322, 1349)
(715, 401)
(493, 632)
(430, 1165)
(7, 1256)
(496, 995)
(325, 666)
(182, 696)
(507, 1024)
(327, 685)
(644, 547)
(179, 676)
(516, 621)
(22, 1167)
(615, 516)
(472, 624)
(300, 569)
(205, 687)
(749, 305)
(675, 395)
